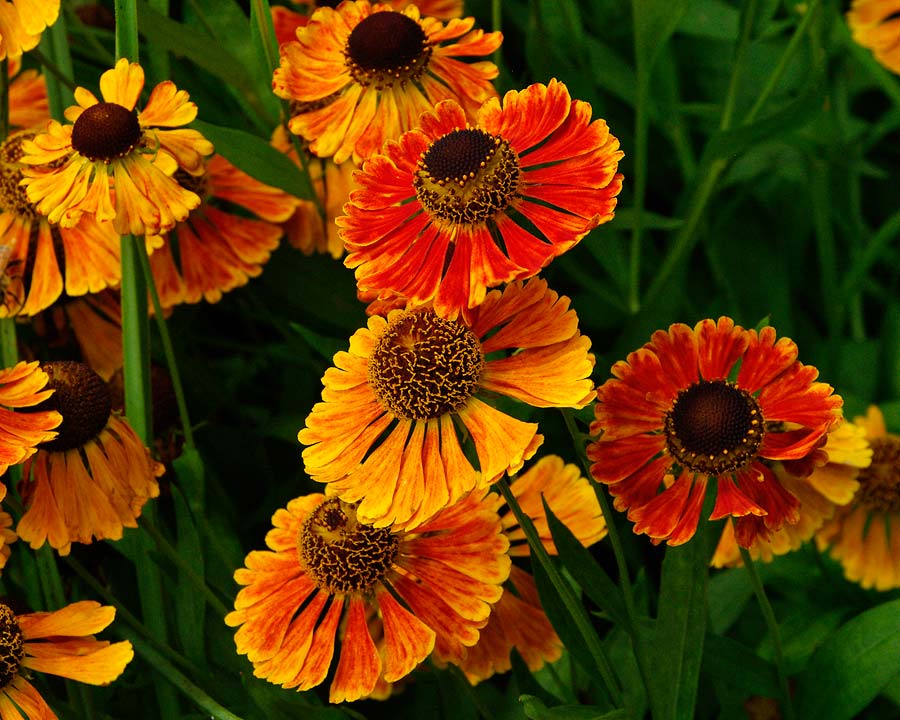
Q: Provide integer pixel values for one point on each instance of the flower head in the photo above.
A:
(819, 494)
(444, 9)
(23, 388)
(361, 73)
(22, 22)
(57, 643)
(432, 587)
(864, 534)
(452, 209)
(28, 103)
(114, 162)
(672, 418)
(385, 433)
(93, 479)
(218, 249)
(874, 25)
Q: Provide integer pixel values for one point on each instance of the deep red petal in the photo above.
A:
(719, 346)
(615, 460)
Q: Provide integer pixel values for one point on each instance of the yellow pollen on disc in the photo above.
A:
(13, 197)
(714, 427)
(386, 49)
(12, 646)
(467, 176)
(342, 555)
(879, 484)
(424, 366)
(106, 131)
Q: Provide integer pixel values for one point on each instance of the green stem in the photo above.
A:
(165, 547)
(178, 680)
(158, 61)
(766, 607)
(564, 590)
(497, 26)
(9, 344)
(136, 339)
(748, 20)
(641, 129)
(126, 30)
(58, 63)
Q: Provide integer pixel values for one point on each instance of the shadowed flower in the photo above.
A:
(432, 585)
(819, 494)
(28, 104)
(332, 184)
(58, 643)
(22, 22)
(7, 534)
(114, 162)
(875, 25)
(218, 249)
(361, 74)
(94, 478)
(386, 433)
(671, 418)
(864, 535)
(23, 387)
(452, 209)
(36, 252)
(518, 620)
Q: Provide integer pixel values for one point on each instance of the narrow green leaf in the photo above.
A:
(257, 158)
(739, 667)
(577, 559)
(535, 709)
(654, 23)
(849, 669)
(729, 592)
(190, 605)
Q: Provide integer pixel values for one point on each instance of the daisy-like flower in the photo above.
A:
(36, 252)
(58, 643)
(363, 73)
(819, 494)
(114, 162)
(332, 184)
(386, 431)
(452, 209)
(432, 587)
(864, 534)
(218, 249)
(22, 387)
(518, 620)
(94, 478)
(22, 22)
(443, 9)
(28, 104)
(875, 25)
(672, 418)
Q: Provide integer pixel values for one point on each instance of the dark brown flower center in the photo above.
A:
(467, 176)
(13, 197)
(879, 484)
(341, 554)
(425, 366)
(12, 646)
(714, 427)
(81, 397)
(106, 131)
(386, 48)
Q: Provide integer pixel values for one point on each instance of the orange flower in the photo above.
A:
(875, 25)
(22, 387)
(670, 419)
(7, 534)
(432, 585)
(819, 494)
(94, 478)
(386, 431)
(362, 73)
(444, 9)
(21, 24)
(219, 250)
(518, 620)
(35, 252)
(57, 643)
(332, 184)
(453, 209)
(28, 104)
(115, 163)
(864, 534)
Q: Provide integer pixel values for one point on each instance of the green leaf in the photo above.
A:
(849, 669)
(190, 605)
(257, 158)
(739, 667)
(535, 709)
(729, 592)
(654, 23)
(577, 559)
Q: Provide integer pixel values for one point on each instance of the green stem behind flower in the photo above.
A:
(57, 61)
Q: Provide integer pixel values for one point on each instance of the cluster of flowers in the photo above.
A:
(448, 202)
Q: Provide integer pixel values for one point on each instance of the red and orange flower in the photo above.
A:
(452, 209)
(361, 74)
(673, 417)
(58, 643)
(23, 387)
(431, 586)
(386, 433)
(116, 163)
